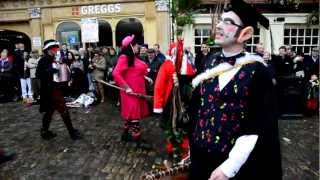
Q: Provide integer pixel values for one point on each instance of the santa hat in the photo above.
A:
(50, 43)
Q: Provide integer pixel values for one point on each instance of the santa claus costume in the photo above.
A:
(167, 99)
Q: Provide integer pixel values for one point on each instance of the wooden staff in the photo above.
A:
(169, 172)
(147, 97)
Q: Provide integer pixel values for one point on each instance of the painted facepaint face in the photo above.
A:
(227, 29)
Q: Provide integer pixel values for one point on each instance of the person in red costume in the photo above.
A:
(130, 74)
(172, 77)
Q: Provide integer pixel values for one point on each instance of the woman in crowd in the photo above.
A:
(32, 64)
(25, 81)
(99, 66)
(77, 76)
(6, 77)
(130, 74)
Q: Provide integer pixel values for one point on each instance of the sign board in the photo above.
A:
(36, 42)
(89, 30)
(100, 9)
(35, 13)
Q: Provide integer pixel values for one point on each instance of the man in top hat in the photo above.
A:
(235, 134)
(51, 92)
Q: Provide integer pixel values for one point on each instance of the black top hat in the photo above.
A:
(49, 44)
(248, 14)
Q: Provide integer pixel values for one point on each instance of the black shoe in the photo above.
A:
(7, 156)
(75, 135)
(47, 135)
(143, 145)
(126, 137)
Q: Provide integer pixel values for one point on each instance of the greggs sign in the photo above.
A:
(100, 9)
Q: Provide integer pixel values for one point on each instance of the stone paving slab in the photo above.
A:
(101, 155)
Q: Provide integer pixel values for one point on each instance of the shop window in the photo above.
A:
(252, 43)
(70, 34)
(202, 35)
(127, 27)
(301, 38)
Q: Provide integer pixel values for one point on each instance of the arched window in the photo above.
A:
(70, 34)
(127, 27)
(8, 39)
(105, 34)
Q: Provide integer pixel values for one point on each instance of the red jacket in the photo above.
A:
(163, 86)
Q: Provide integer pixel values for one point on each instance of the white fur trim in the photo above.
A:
(206, 75)
(54, 43)
(224, 66)
(157, 110)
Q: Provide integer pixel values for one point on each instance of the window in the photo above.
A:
(252, 43)
(302, 38)
(202, 35)
(70, 34)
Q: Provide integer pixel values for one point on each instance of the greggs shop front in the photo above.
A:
(32, 22)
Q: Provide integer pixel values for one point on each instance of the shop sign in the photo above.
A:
(35, 12)
(89, 30)
(100, 9)
(36, 42)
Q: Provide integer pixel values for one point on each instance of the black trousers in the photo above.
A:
(58, 103)
(204, 163)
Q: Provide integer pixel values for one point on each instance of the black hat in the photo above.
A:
(248, 14)
(50, 43)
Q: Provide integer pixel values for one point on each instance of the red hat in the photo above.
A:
(127, 40)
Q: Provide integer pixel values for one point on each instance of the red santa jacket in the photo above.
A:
(163, 86)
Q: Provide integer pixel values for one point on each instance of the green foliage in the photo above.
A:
(182, 11)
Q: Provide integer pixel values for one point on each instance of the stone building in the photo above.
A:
(33, 21)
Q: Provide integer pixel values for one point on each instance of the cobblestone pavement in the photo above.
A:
(101, 154)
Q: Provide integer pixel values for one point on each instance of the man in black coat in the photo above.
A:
(51, 92)
(311, 63)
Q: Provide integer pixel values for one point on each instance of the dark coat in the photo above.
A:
(310, 66)
(45, 74)
(18, 63)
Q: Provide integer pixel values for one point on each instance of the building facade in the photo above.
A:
(289, 25)
(33, 21)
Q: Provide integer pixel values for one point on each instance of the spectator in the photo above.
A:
(202, 58)
(77, 77)
(283, 63)
(35, 84)
(64, 54)
(84, 58)
(26, 89)
(111, 61)
(99, 67)
(267, 59)
(260, 49)
(154, 64)
(311, 63)
(143, 55)
(159, 54)
(6, 77)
